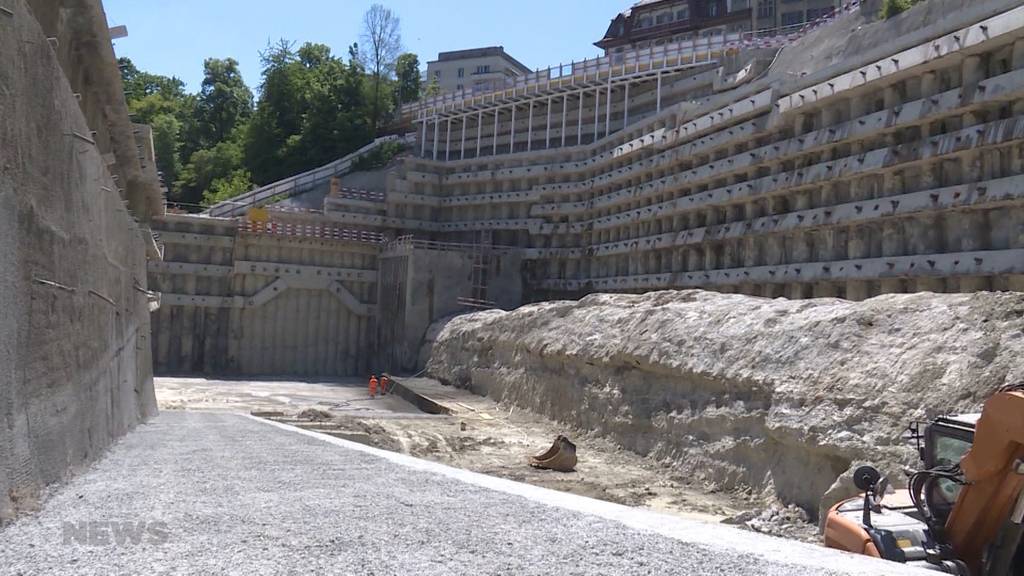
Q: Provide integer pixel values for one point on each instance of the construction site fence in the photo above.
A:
(357, 194)
(321, 231)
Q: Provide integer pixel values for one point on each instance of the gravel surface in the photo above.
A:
(227, 494)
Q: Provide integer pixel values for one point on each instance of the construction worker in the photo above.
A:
(384, 381)
(373, 385)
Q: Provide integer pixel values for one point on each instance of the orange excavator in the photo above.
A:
(963, 513)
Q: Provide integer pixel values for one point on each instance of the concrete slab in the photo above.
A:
(222, 493)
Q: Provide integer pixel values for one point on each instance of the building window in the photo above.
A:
(462, 72)
(683, 13)
(485, 69)
(766, 9)
(712, 9)
(792, 18)
(738, 5)
(437, 74)
(644, 22)
(460, 87)
(663, 18)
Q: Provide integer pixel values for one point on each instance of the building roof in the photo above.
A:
(617, 27)
(622, 30)
(640, 4)
(472, 53)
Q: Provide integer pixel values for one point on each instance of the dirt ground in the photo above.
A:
(483, 436)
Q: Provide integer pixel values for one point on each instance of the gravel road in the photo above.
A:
(218, 493)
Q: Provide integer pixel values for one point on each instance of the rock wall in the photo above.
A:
(777, 395)
(75, 369)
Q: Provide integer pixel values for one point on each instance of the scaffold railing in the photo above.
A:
(409, 242)
(323, 231)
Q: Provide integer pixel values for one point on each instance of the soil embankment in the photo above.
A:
(781, 396)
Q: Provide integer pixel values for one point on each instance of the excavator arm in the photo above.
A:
(994, 472)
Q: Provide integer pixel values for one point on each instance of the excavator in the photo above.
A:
(962, 513)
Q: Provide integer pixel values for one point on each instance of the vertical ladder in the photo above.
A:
(481, 266)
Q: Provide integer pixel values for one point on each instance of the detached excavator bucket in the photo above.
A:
(561, 456)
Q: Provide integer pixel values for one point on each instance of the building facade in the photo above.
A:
(474, 70)
(654, 23)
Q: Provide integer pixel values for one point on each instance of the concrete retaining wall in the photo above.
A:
(420, 286)
(75, 367)
(261, 304)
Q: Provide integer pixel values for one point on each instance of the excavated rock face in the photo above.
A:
(779, 395)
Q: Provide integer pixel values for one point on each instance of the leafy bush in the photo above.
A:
(379, 157)
(891, 8)
(237, 182)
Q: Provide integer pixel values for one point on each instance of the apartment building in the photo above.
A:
(653, 23)
(473, 70)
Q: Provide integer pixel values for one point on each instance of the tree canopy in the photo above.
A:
(381, 34)
(407, 72)
(311, 107)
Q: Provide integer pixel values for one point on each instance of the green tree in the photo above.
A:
(166, 142)
(224, 101)
(139, 84)
(312, 110)
(433, 87)
(161, 102)
(227, 187)
(209, 165)
(278, 114)
(407, 71)
(384, 44)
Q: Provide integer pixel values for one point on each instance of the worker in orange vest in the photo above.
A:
(384, 381)
(373, 386)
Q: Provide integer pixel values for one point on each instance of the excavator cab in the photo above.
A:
(963, 513)
(944, 443)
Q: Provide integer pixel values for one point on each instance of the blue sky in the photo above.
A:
(172, 37)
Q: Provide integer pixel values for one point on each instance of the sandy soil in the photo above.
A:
(485, 437)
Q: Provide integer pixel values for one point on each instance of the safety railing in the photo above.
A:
(320, 230)
(409, 242)
(357, 194)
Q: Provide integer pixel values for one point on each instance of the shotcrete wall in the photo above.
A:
(75, 367)
(781, 396)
